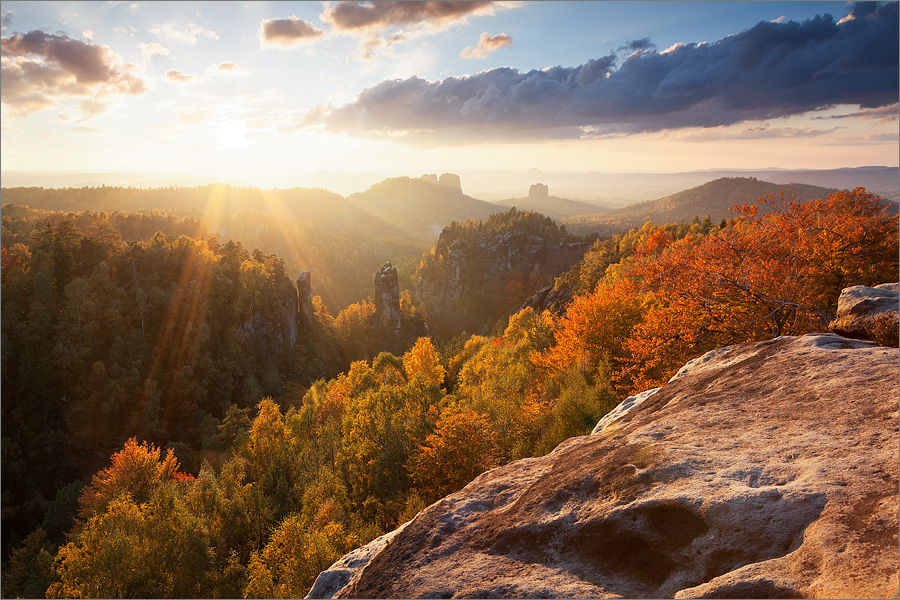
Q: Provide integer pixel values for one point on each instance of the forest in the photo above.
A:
(172, 428)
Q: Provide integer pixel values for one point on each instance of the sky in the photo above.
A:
(265, 92)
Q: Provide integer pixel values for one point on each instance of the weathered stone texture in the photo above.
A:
(868, 313)
(766, 469)
(387, 295)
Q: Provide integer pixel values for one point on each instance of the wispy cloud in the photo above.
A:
(771, 70)
(225, 69)
(178, 77)
(187, 34)
(487, 44)
(152, 49)
(882, 114)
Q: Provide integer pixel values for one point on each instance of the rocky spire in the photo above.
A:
(305, 311)
(387, 295)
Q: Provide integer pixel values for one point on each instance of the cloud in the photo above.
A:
(6, 19)
(188, 34)
(225, 69)
(384, 23)
(752, 133)
(178, 77)
(883, 114)
(768, 71)
(355, 16)
(83, 129)
(487, 44)
(287, 33)
(153, 50)
(39, 70)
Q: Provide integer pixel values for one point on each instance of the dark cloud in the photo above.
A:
(487, 44)
(40, 69)
(639, 45)
(350, 16)
(771, 70)
(882, 114)
(287, 32)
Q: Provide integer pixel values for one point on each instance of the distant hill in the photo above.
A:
(714, 198)
(421, 207)
(539, 200)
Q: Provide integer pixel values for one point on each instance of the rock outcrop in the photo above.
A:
(494, 260)
(387, 295)
(761, 470)
(550, 298)
(306, 314)
(538, 191)
(451, 180)
(868, 313)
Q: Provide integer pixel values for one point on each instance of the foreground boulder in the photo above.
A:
(868, 313)
(761, 470)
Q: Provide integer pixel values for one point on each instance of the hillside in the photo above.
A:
(421, 207)
(481, 271)
(714, 198)
(539, 200)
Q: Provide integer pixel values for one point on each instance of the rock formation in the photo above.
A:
(306, 314)
(387, 295)
(451, 181)
(494, 259)
(761, 470)
(868, 313)
(539, 191)
(550, 298)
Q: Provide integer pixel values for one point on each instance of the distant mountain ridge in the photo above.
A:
(540, 200)
(715, 198)
(423, 206)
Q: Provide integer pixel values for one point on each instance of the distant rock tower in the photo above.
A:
(451, 181)
(430, 178)
(387, 295)
(305, 310)
(539, 191)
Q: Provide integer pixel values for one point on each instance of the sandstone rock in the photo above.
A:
(387, 295)
(305, 312)
(766, 469)
(451, 181)
(430, 178)
(539, 191)
(495, 260)
(550, 298)
(868, 313)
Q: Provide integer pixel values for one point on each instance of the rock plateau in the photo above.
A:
(761, 470)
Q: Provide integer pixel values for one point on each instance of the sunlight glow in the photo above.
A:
(232, 135)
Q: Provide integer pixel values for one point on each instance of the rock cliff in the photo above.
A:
(761, 470)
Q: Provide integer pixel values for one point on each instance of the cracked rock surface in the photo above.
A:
(761, 470)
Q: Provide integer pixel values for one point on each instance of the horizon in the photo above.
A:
(269, 94)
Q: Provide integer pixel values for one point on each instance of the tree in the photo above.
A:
(129, 550)
(460, 449)
(135, 471)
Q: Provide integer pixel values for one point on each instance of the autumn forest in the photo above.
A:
(178, 420)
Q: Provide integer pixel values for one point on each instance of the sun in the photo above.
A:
(232, 135)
